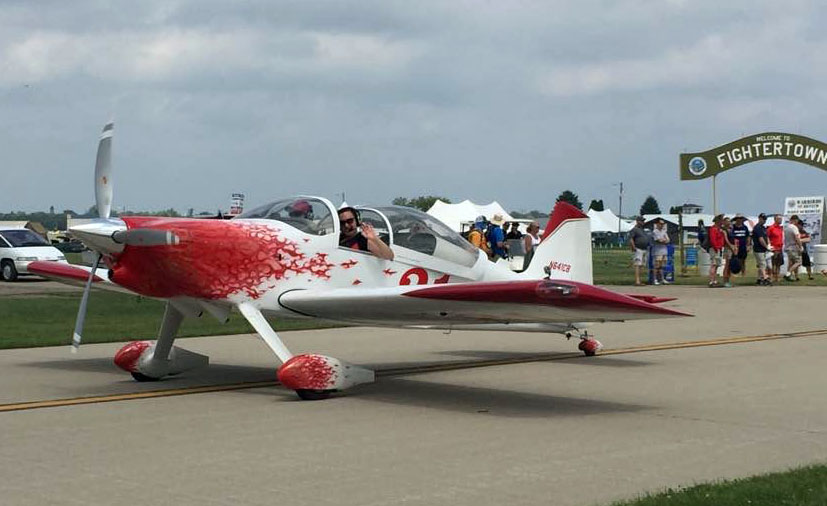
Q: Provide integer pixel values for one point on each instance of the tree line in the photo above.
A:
(425, 202)
(57, 221)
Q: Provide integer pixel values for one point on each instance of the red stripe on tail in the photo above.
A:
(562, 211)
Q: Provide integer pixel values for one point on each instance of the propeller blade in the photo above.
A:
(103, 172)
(76, 337)
(145, 237)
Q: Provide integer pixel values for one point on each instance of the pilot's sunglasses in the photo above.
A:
(347, 221)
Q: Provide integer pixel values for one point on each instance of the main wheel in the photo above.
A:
(8, 271)
(313, 395)
(143, 377)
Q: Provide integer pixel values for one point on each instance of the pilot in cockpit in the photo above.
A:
(300, 209)
(300, 216)
(360, 236)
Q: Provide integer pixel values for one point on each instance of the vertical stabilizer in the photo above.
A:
(566, 247)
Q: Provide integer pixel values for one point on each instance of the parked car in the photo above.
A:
(72, 246)
(21, 246)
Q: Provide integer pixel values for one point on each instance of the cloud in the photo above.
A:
(733, 59)
(180, 54)
(382, 99)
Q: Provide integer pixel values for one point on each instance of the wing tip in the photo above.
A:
(61, 270)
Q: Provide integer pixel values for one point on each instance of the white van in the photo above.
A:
(19, 247)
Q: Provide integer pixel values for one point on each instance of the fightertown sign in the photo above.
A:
(766, 146)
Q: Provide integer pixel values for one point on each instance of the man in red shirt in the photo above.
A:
(775, 234)
(716, 247)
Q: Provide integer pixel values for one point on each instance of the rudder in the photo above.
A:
(566, 247)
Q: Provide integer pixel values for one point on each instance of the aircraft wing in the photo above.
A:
(71, 274)
(544, 301)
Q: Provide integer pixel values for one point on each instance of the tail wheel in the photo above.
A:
(8, 271)
(589, 347)
(313, 395)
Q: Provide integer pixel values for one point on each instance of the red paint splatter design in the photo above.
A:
(357, 281)
(389, 272)
(348, 264)
(213, 260)
(307, 372)
(127, 357)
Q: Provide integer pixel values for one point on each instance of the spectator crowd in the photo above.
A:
(491, 237)
(729, 242)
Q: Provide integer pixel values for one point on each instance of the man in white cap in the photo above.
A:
(639, 243)
(496, 238)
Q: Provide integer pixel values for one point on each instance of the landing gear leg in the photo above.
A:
(148, 361)
(312, 376)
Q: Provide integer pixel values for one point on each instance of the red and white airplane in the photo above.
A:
(283, 259)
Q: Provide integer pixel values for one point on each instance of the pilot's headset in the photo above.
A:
(356, 214)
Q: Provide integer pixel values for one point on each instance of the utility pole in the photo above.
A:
(619, 209)
(714, 196)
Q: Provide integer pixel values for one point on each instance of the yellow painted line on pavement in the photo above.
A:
(548, 357)
(402, 371)
(150, 394)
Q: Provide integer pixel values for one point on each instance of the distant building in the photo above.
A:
(692, 209)
(34, 226)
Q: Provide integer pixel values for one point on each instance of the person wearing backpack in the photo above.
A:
(477, 235)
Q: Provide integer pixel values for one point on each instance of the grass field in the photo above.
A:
(806, 486)
(49, 320)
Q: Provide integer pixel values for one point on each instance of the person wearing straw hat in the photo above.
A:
(496, 237)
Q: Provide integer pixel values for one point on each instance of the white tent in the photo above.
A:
(669, 218)
(607, 221)
(455, 214)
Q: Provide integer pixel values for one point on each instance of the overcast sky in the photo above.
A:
(513, 101)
